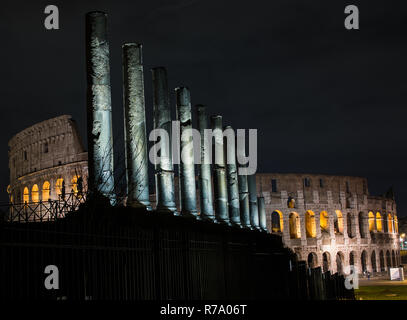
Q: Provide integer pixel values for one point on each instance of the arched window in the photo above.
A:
(310, 224)
(362, 224)
(393, 258)
(389, 223)
(59, 185)
(363, 260)
(277, 221)
(379, 225)
(381, 258)
(373, 261)
(324, 221)
(295, 226)
(26, 195)
(338, 223)
(372, 225)
(45, 191)
(339, 262)
(388, 259)
(35, 195)
(350, 225)
(75, 184)
(326, 265)
(396, 224)
(312, 260)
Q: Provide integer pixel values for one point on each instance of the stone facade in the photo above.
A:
(44, 155)
(332, 221)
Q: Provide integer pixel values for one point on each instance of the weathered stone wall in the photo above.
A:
(45, 152)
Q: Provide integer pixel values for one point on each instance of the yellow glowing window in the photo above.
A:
(75, 184)
(389, 223)
(295, 226)
(338, 222)
(35, 195)
(58, 186)
(372, 224)
(277, 221)
(310, 224)
(379, 225)
(324, 221)
(26, 195)
(396, 225)
(45, 191)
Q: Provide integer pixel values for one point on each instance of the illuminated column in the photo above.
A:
(99, 107)
(262, 213)
(244, 200)
(221, 196)
(254, 210)
(164, 174)
(205, 177)
(135, 127)
(186, 168)
(232, 181)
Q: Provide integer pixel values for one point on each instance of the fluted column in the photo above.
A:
(254, 210)
(135, 127)
(164, 174)
(232, 181)
(244, 200)
(186, 168)
(205, 176)
(99, 107)
(262, 213)
(221, 196)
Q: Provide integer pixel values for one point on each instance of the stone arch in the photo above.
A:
(373, 261)
(352, 258)
(362, 224)
(372, 224)
(379, 222)
(388, 259)
(295, 225)
(381, 259)
(46, 189)
(363, 260)
(277, 221)
(312, 260)
(350, 225)
(326, 261)
(324, 221)
(393, 259)
(26, 195)
(396, 224)
(310, 225)
(59, 186)
(389, 223)
(35, 194)
(339, 262)
(338, 223)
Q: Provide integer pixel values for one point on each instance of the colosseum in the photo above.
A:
(328, 221)
(46, 161)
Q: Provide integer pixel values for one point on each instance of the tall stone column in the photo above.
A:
(221, 196)
(262, 213)
(244, 200)
(99, 106)
(187, 183)
(254, 210)
(135, 127)
(205, 176)
(232, 181)
(164, 173)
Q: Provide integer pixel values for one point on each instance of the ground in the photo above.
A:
(381, 290)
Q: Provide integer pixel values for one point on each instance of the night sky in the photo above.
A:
(324, 99)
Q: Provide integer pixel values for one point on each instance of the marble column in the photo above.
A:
(187, 183)
(244, 201)
(164, 173)
(205, 176)
(232, 181)
(221, 196)
(99, 106)
(135, 127)
(254, 210)
(262, 213)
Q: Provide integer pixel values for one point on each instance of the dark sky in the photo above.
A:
(324, 99)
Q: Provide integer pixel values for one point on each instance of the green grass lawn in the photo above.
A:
(381, 293)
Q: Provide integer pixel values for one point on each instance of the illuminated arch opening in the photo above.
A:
(372, 225)
(312, 260)
(59, 186)
(26, 195)
(396, 224)
(74, 182)
(379, 224)
(46, 191)
(35, 194)
(310, 225)
(277, 221)
(373, 261)
(338, 223)
(324, 221)
(295, 226)
(389, 223)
